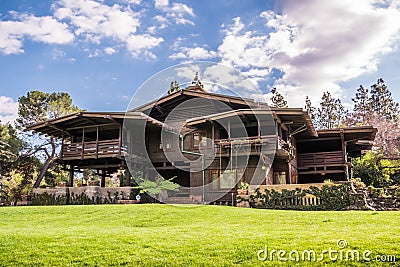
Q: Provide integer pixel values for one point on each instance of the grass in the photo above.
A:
(165, 235)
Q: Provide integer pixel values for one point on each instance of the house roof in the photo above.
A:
(188, 93)
(227, 114)
(356, 138)
(66, 124)
(297, 119)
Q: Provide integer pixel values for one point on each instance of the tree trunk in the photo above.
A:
(43, 171)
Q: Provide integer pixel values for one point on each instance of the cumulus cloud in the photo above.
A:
(40, 29)
(110, 51)
(8, 109)
(95, 21)
(316, 44)
(195, 53)
(178, 13)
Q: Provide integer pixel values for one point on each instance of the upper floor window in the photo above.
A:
(200, 139)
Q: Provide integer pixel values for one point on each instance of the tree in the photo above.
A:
(375, 171)
(377, 108)
(382, 103)
(174, 87)
(277, 99)
(37, 107)
(16, 168)
(310, 109)
(331, 112)
(361, 108)
(10, 145)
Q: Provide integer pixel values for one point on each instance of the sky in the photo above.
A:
(102, 51)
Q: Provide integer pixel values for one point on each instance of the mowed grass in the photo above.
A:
(166, 235)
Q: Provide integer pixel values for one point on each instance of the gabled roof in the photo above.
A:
(227, 114)
(60, 126)
(191, 94)
(297, 119)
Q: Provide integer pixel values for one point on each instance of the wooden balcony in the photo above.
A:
(91, 150)
(251, 144)
(328, 162)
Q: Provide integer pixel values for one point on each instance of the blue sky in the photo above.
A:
(100, 52)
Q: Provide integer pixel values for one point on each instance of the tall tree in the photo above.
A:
(376, 107)
(10, 145)
(16, 168)
(331, 112)
(382, 103)
(277, 99)
(361, 108)
(37, 107)
(310, 108)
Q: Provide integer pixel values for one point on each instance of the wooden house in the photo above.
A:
(278, 145)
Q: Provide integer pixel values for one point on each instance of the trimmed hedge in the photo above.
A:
(337, 197)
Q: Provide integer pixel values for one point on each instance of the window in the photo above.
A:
(280, 178)
(160, 147)
(200, 139)
(164, 146)
(226, 179)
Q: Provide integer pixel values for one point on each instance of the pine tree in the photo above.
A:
(331, 112)
(277, 99)
(361, 108)
(174, 87)
(376, 107)
(382, 103)
(310, 109)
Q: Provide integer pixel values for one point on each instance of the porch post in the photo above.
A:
(344, 151)
(127, 177)
(83, 142)
(97, 142)
(229, 130)
(71, 176)
(62, 145)
(103, 178)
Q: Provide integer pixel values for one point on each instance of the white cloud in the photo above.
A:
(178, 13)
(194, 53)
(8, 109)
(161, 4)
(95, 21)
(133, 2)
(41, 29)
(137, 43)
(110, 51)
(316, 44)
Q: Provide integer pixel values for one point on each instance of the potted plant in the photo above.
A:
(243, 188)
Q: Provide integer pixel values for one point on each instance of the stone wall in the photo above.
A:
(381, 198)
(85, 195)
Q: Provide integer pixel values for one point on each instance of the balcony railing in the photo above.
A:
(251, 144)
(90, 150)
(321, 159)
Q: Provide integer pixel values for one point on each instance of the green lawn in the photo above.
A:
(164, 235)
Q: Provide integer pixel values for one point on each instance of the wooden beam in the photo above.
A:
(83, 143)
(318, 139)
(128, 177)
(97, 142)
(103, 178)
(71, 177)
(91, 126)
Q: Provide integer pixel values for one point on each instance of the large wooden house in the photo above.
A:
(278, 145)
